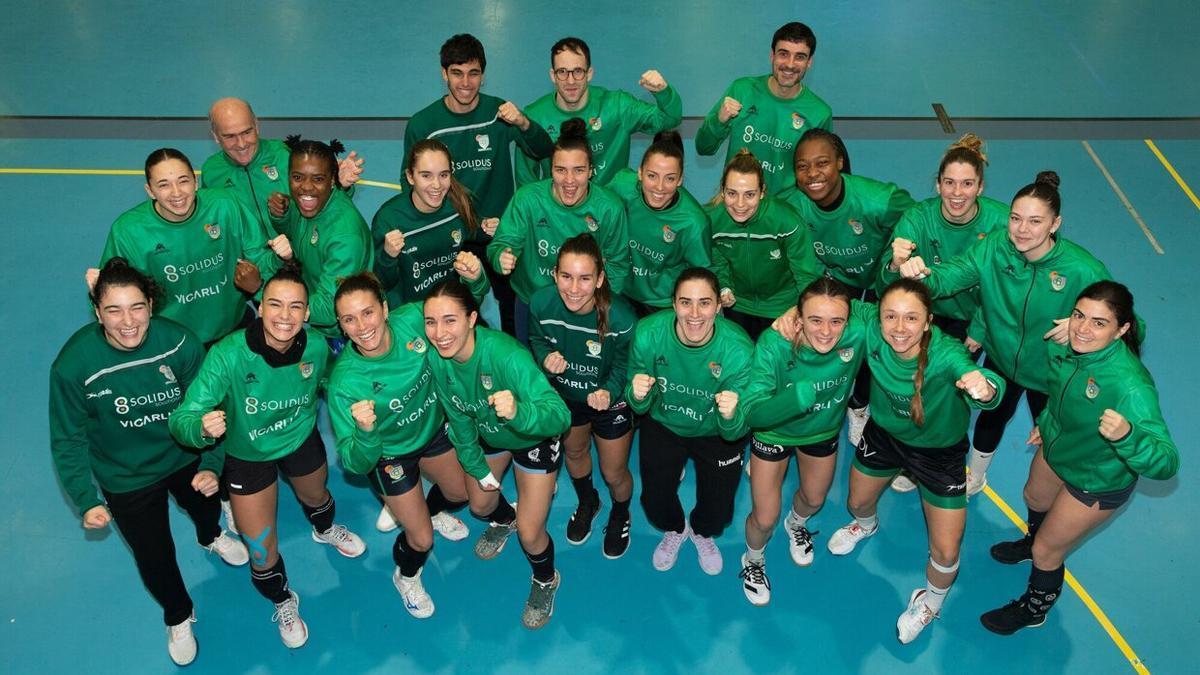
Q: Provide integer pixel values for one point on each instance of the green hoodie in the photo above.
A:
(1020, 299)
(662, 243)
(1081, 388)
(766, 261)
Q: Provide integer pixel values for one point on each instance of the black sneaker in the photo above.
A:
(1011, 618)
(616, 538)
(579, 527)
(1013, 552)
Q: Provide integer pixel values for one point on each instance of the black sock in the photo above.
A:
(1035, 521)
(620, 510)
(1044, 588)
(408, 559)
(437, 502)
(271, 583)
(503, 514)
(321, 516)
(584, 490)
(542, 563)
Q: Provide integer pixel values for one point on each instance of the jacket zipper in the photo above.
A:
(257, 206)
(1024, 311)
(1061, 397)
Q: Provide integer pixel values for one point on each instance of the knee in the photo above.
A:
(1045, 555)
(814, 501)
(455, 492)
(419, 540)
(577, 453)
(615, 475)
(764, 519)
(944, 557)
(860, 504)
(1033, 500)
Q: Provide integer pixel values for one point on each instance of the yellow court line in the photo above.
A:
(1174, 174)
(133, 172)
(1124, 200)
(1086, 597)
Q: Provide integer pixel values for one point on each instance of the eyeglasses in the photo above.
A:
(561, 74)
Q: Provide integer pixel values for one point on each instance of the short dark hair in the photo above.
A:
(463, 48)
(163, 154)
(795, 32)
(573, 44)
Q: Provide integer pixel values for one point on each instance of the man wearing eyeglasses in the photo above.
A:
(611, 115)
(767, 114)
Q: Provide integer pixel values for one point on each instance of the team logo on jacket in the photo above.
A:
(1093, 389)
(271, 172)
(167, 373)
(593, 348)
(856, 226)
(592, 225)
(1057, 281)
(417, 345)
(213, 230)
(456, 235)
(776, 254)
(846, 354)
(313, 239)
(668, 234)
(306, 369)
(797, 121)
(486, 381)
(594, 123)
(484, 141)
(394, 471)
(715, 368)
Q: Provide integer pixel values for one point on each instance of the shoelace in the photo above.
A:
(803, 538)
(754, 572)
(180, 631)
(336, 533)
(285, 614)
(706, 545)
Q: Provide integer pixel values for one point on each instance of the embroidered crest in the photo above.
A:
(1057, 281)
(456, 235)
(1093, 389)
(592, 225)
(668, 234)
(715, 368)
(486, 381)
(593, 348)
(313, 239)
(483, 140)
(417, 345)
(306, 369)
(856, 226)
(271, 172)
(394, 471)
(167, 373)
(213, 230)
(594, 123)
(797, 121)
(846, 354)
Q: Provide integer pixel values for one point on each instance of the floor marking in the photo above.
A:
(1174, 174)
(1086, 597)
(1124, 200)
(134, 172)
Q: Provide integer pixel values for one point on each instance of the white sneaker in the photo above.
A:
(975, 483)
(181, 643)
(858, 421)
(346, 542)
(416, 600)
(902, 483)
(755, 583)
(231, 550)
(846, 538)
(710, 556)
(227, 510)
(450, 526)
(799, 543)
(915, 618)
(292, 629)
(667, 551)
(386, 522)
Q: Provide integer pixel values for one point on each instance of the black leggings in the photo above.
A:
(662, 454)
(142, 518)
(989, 428)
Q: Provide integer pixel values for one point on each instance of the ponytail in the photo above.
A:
(917, 407)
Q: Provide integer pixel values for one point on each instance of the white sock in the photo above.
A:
(755, 554)
(934, 596)
(869, 523)
(796, 520)
(979, 462)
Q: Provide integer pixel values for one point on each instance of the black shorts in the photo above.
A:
(1108, 501)
(244, 477)
(773, 452)
(608, 424)
(545, 457)
(394, 476)
(940, 473)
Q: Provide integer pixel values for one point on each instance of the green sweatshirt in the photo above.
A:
(766, 261)
(851, 238)
(536, 224)
(662, 243)
(946, 407)
(799, 397)
(481, 148)
(194, 261)
(690, 377)
(1081, 388)
(334, 244)
(109, 408)
(431, 243)
(591, 364)
(611, 116)
(1020, 299)
(938, 239)
(253, 183)
(269, 411)
(767, 125)
(499, 363)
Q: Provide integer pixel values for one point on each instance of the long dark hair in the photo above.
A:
(585, 244)
(460, 197)
(917, 407)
